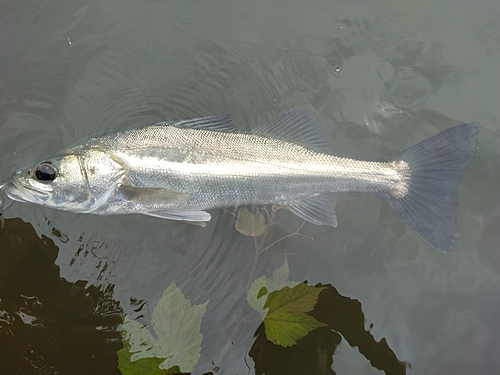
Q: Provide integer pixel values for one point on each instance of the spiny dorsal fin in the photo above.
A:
(218, 123)
(300, 126)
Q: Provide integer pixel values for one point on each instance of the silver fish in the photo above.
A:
(177, 170)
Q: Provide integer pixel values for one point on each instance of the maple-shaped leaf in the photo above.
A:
(140, 341)
(256, 294)
(176, 348)
(286, 321)
(250, 224)
(177, 326)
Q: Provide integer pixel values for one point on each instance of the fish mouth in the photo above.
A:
(25, 189)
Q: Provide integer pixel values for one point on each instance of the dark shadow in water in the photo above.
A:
(47, 324)
(313, 354)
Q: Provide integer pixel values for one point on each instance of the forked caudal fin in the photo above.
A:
(437, 166)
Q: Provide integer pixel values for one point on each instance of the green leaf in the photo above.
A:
(142, 366)
(286, 321)
(250, 224)
(175, 370)
(177, 325)
(262, 292)
(267, 285)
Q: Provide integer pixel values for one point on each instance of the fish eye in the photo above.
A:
(45, 171)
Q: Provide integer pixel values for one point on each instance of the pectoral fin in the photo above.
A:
(319, 210)
(150, 195)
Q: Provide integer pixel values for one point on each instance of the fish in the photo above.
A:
(179, 169)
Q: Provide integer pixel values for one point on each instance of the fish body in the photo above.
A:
(177, 170)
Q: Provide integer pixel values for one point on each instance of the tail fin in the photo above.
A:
(437, 166)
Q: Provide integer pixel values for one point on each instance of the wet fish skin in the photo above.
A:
(219, 169)
(178, 170)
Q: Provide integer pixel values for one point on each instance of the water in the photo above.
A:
(380, 76)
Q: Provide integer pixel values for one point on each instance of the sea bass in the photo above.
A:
(177, 170)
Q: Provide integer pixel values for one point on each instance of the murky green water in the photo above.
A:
(381, 77)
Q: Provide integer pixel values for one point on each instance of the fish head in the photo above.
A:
(72, 181)
(56, 182)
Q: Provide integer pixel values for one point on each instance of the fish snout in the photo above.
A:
(23, 188)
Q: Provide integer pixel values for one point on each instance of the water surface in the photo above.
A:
(380, 76)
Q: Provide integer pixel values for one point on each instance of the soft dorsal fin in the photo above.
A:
(218, 123)
(319, 210)
(300, 126)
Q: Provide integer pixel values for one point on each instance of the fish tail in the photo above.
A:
(437, 166)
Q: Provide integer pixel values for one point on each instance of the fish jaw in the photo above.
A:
(22, 188)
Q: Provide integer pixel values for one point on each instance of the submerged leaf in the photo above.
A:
(264, 285)
(141, 342)
(175, 370)
(177, 325)
(286, 321)
(262, 292)
(142, 366)
(249, 224)
(177, 347)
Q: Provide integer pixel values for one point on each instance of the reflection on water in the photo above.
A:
(47, 324)
(314, 353)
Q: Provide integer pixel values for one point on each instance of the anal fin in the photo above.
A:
(319, 210)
